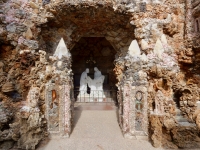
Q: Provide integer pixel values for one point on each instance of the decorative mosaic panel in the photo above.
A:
(139, 104)
(135, 120)
(58, 109)
(52, 108)
(139, 108)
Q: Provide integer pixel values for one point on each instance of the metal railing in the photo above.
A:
(96, 96)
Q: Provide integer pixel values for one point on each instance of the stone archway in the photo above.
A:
(92, 22)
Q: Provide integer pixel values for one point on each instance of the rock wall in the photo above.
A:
(156, 65)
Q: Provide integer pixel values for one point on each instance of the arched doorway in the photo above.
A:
(109, 25)
(90, 52)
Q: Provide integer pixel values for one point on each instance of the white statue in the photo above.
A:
(96, 85)
(99, 79)
(97, 73)
(83, 82)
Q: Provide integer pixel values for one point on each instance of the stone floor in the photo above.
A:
(96, 130)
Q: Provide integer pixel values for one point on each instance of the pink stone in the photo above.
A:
(21, 40)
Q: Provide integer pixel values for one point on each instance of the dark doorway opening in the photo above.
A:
(90, 52)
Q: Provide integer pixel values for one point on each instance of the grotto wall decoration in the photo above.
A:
(156, 67)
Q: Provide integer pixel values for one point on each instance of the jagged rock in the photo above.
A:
(144, 44)
(186, 137)
(8, 87)
(5, 115)
(11, 27)
(31, 44)
(156, 130)
(7, 145)
(33, 5)
(29, 34)
(1, 67)
(30, 121)
(158, 49)
(45, 2)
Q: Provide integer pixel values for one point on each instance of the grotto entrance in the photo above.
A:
(106, 36)
(91, 52)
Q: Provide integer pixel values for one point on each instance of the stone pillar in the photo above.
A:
(58, 109)
(53, 110)
(135, 119)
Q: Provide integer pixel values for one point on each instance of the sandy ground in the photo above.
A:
(96, 130)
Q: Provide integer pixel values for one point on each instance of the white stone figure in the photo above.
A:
(97, 73)
(83, 82)
(158, 49)
(96, 85)
(134, 49)
(62, 50)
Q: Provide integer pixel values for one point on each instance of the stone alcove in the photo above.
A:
(90, 52)
(96, 25)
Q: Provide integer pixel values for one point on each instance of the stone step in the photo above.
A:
(187, 124)
(181, 119)
(95, 106)
(178, 112)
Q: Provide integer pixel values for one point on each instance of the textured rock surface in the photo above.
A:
(152, 83)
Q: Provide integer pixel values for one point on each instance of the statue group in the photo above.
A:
(95, 85)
